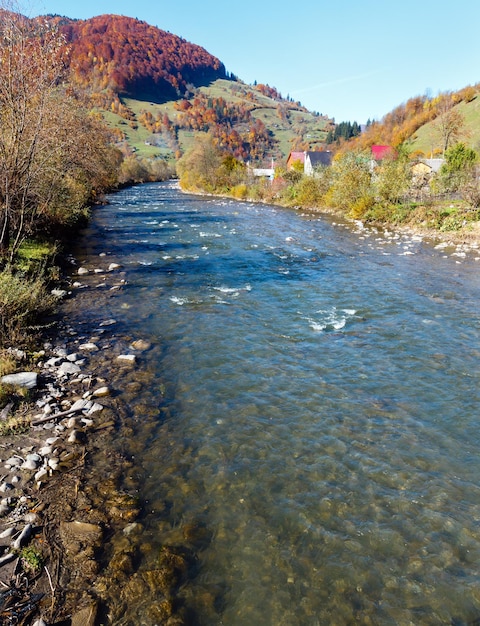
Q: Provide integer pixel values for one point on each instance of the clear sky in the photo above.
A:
(353, 60)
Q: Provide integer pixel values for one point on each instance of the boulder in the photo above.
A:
(28, 380)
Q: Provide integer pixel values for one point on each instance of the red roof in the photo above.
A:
(296, 156)
(380, 152)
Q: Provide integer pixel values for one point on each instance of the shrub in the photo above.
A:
(361, 206)
(240, 191)
(22, 301)
(310, 191)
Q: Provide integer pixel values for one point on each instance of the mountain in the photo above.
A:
(156, 90)
(133, 58)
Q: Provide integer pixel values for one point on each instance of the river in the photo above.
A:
(311, 421)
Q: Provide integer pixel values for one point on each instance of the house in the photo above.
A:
(294, 157)
(263, 172)
(316, 159)
(309, 160)
(382, 152)
(427, 167)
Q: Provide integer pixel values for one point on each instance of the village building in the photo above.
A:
(309, 160)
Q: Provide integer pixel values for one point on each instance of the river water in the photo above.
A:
(312, 416)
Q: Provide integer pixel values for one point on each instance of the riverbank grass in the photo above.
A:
(23, 300)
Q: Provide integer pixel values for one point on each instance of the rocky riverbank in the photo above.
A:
(55, 511)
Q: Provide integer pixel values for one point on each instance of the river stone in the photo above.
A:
(92, 347)
(68, 368)
(78, 405)
(141, 345)
(126, 358)
(53, 463)
(101, 391)
(59, 293)
(28, 380)
(30, 465)
(85, 617)
(84, 532)
(13, 461)
(95, 408)
(109, 322)
(41, 474)
(82, 271)
(113, 266)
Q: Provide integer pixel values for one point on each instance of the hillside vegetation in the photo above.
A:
(155, 90)
(129, 56)
(427, 126)
(248, 123)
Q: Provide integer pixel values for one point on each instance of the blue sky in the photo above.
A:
(350, 59)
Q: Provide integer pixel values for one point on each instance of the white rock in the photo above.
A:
(92, 347)
(59, 293)
(29, 465)
(108, 322)
(53, 464)
(7, 532)
(13, 461)
(72, 357)
(22, 379)
(46, 450)
(54, 361)
(127, 358)
(69, 368)
(72, 422)
(51, 440)
(78, 405)
(101, 391)
(73, 438)
(113, 266)
(22, 538)
(42, 473)
(95, 408)
(82, 271)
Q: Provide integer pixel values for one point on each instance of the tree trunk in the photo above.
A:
(4, 236)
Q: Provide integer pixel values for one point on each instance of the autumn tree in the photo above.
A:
(449, 123)
(351, 188)
(199, 167)
(392, 178)
(459, 168)
(52, 154)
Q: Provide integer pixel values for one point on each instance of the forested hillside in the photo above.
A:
(131, 57)
(427, 125)
(157, 90)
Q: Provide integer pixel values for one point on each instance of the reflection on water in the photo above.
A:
(308, 436)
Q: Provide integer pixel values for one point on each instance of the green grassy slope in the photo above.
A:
(298, 124)
(428, 140)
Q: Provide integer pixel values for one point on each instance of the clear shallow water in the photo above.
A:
(317, 396)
